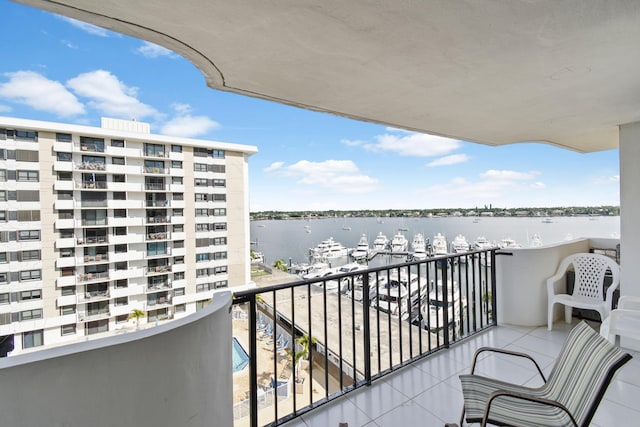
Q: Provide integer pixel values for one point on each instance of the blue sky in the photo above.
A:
(56, 69)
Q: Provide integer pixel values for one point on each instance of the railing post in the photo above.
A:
(366, 305)
(445, 299)
(494, 298)
(253, 363)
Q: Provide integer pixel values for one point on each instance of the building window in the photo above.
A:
(119, 178)
(122, 283)
(219, 182)
(199, 167)
(65, 195)
(201, 182)
(219, 226)
(32, 255)
(32, 176)
(67, 291)
(117, 160)
(202, 272)
(65, 214)
(202, 304)
(117, 143)
(178, 212)
(30, 275)
(32, 339)
(97, 327)
(178, 260)
(120, 249)
(179, 276)
(119, 231)
(178, 244)
(4, 298)
(122, 301)
(119, 195)
(28, 235)
(28, 196)
(180, 308)
(220, 270)
(63, 137)
(175, 164)
(218, 168)
(178, 196)
(67, 309)
(68, 329)
(3, 257)
(178, 228)
(201, 197)
(3, 196)
(220, 284)
(202, 212)
(122, 265)
(218, 154)
(64, 176)
(219, 197)
(176, 148)
(202, 257)
(220, 255)
(26, 135)
(30, 295)
(88, 143)
(177, 180)
(220, 212)
(36, 313)
(63, 157)
(123, 318)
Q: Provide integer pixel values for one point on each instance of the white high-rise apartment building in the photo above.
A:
(98, 222)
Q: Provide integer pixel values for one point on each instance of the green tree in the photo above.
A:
(280, 264)
(306, 341)
(136, 314)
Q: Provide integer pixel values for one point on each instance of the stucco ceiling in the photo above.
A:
(491, 71)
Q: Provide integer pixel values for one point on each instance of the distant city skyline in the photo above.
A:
(57, 69)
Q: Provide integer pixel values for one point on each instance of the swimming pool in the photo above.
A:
(239, 356)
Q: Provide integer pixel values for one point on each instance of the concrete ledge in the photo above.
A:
(176, 374)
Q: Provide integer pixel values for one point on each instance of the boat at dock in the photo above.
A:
(399, 244)
(362, 249)
(398, 292)
(381, 243)
(419, 247)
(460, 244)
(328, 250)
(433, 311)
(439, 245)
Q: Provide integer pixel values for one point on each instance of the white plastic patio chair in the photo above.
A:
(624, 321)
(588, 285)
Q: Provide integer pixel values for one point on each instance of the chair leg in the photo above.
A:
(550, 316)
(462, 417)
(568, 310)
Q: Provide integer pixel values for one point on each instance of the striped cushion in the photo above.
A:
(579, 378)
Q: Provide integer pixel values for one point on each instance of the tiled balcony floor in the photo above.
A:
(428, 393)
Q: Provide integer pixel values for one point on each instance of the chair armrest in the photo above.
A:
(523, 396)
(610, 290)
(507, 352)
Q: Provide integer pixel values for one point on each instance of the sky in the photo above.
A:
(61, 70)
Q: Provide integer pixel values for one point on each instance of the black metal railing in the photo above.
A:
(311, 341)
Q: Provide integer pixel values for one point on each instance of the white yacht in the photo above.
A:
(395, 294)
(419, 246)
(399, 243)
(381, 242)
(328, 250)
(536, 241)
(362, 249)
(460, 244)
(509, 243)
(439, 245)
(433, 310)
(335, 284)
(482, 243)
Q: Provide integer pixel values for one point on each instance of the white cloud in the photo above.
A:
(189, 126)
(38, 92)
(453, 159)
(493, 185)
(4, 108)
(413, 144)
(507, 175)
(152, 50)
(352, 143)
(109, 95)
(339, 176)
(273, 167)
(87, 28)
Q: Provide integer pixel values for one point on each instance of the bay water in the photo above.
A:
(291, 239)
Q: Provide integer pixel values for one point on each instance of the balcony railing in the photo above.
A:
(155, 170)
(359, 326)
(97, 185)
(158, 269)
(93, 203)
(91, 166)
(87, 277)
(87, 316)
(93, 296)
(96, 258)
(157, 219)
(157, 203)
(155, 187)
(93, 240)
(163, 235)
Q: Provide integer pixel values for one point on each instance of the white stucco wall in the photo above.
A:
(629, 209)
(177, 374)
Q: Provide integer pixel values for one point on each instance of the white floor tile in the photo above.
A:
(408, 414)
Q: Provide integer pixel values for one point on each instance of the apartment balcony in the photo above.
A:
(64, 281)
(125, 186)
(157, 154)
(151, 170)
(158, 269)
(159, 236)
(155, 187)
(89, 316)
(158, 220)
(63, 185)
(90, 166)
(65, 223)
(63, 166)
(125, 204)
(93, 203)
(94, 222)
(66, 300)
(65, 242)
(93, 277)
(65, 262)
(64, 204)
(93, 240)
(93, 296)
(157, 203)
(94, 259)
(92, 185)
(161, 302)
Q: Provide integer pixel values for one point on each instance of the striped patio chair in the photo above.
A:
(570, 397)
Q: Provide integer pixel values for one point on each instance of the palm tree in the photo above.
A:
(280, 264)
(136, 314)
(306, 341)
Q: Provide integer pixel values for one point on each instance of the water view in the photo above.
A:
(291, 239)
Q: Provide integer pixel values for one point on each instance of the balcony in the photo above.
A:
(93, 296)
(158, 236)
(92, 185)
(155, 187)
(157, 219)
(93, 240)
(90, 166)
(157, 203)
(158, 269)
(88, 316)
(99, 258)
(155, 170)
(90, 277)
